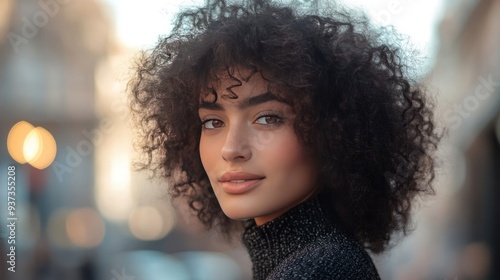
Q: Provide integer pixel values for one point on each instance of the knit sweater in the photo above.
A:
(304, 244)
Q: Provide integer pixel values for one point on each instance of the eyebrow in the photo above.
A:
(249, 102)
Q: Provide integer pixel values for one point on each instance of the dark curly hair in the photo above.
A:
(365, 120)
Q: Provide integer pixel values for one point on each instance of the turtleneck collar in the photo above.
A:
(269, 244)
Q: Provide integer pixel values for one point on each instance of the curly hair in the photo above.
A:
(367, 122)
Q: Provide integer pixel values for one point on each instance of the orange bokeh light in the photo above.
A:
(35, 146)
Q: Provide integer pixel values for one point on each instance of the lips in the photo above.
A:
(239, 176)
(239, 182)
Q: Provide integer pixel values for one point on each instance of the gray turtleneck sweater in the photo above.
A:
(303, 244)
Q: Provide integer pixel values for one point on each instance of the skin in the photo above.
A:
(257, 138)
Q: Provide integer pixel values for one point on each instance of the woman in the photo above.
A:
(301, 130)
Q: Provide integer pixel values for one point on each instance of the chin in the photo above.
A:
(237, 211)
(237, 214)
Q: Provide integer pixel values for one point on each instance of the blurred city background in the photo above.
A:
(83, 213)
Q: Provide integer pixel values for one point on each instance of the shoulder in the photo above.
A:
(337, 257)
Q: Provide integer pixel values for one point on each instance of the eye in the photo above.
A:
(212, 124)
(268, 120)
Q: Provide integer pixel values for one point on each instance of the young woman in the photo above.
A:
(299, 133)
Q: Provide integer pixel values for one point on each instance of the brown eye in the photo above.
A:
(212, 124)
(268, 120)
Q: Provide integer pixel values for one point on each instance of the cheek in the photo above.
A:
(284, 152)
(208, 154)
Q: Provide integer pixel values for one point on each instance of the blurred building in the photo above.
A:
(457, 232)
(467, 76)
(50, 51)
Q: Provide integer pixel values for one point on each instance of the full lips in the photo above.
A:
(240, 187)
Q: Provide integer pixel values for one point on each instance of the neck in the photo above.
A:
(270, 243)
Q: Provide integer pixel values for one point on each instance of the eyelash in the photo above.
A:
(203, 122)
(279, 121)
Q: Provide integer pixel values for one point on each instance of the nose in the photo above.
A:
(237, 148)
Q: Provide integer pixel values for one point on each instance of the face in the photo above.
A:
(249, 149)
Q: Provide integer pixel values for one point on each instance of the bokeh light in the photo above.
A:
(82, 227)
(85, 228)
(16, 138)
(27, 144)
(113, 193)
(48, 149)
(150, 223)
(32, 146)
(56, 228)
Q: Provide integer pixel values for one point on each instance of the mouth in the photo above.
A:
(239, 182)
